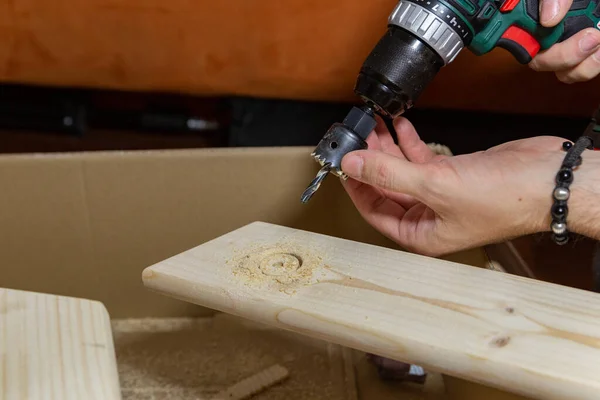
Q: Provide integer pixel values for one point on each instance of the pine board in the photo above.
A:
(55, 348)
(516, 334)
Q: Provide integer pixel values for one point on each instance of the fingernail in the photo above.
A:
(549, 10)
(352, 165)
(589, 43)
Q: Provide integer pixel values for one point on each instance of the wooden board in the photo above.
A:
(55, 348)
(520, 335)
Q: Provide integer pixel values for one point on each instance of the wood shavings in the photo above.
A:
(440, 149)
(176, 359)
(254, 384)
(155, 325)
(286, 265)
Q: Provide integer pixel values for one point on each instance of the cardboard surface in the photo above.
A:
(86, 224)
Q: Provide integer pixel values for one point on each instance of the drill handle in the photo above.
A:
(516, 28)
(583, 14)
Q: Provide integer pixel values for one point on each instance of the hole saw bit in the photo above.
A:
(340, 139)
(422, 37)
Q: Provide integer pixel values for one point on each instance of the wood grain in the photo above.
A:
(55, 348)
(520, 335)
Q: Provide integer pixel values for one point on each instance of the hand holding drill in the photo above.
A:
(577, 59)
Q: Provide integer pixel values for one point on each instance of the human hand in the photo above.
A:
(576, 59)
(435, 205)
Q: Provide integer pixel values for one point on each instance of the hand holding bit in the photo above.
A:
(436, 204)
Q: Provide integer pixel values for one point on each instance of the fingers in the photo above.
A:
(386, 140)
(553, 11)
(411, 144)
(585, 71)
(373, 141)
(379, 211)
(570, 53)
(384, 171)
(381, 140)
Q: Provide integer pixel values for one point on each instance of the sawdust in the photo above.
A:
(186, 358)
(285, 266)
(440, 149)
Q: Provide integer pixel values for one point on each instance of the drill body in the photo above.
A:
(422, 37)
(425, 35)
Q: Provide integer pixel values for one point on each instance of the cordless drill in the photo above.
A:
(422, 37)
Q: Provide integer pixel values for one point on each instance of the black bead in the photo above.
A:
(561, 239)
(559, 211)
(564, 176)
(567, 145)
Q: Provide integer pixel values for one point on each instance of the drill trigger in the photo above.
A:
(520, 43)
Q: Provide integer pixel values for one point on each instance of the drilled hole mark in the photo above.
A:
(280, 264)
(286, 265)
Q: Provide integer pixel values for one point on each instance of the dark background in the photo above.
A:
(34, 119)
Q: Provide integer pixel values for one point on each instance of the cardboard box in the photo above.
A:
(87, 224)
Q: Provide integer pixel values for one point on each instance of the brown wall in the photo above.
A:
(298, 49)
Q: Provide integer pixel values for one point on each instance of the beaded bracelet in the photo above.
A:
(561, 193)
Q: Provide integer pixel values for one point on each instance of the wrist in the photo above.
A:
(583, 204)
(584, 201)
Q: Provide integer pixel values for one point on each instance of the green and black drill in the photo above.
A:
(422, 37)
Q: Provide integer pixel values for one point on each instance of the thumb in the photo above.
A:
(553, 11)
(385, 171)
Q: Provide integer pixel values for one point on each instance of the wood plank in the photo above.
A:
(55, 347)
(513, 333)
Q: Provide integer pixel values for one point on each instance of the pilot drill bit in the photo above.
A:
(315, 184)
(341, 139)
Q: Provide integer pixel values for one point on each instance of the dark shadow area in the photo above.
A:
(44, 119)
(257, 122)
(569, 265)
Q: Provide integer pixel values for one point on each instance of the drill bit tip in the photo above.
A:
(315, 184)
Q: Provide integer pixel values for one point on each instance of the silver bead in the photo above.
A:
(559, 228)
(561, 194)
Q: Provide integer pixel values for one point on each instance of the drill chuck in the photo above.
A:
(422, 37)
(396, 72)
